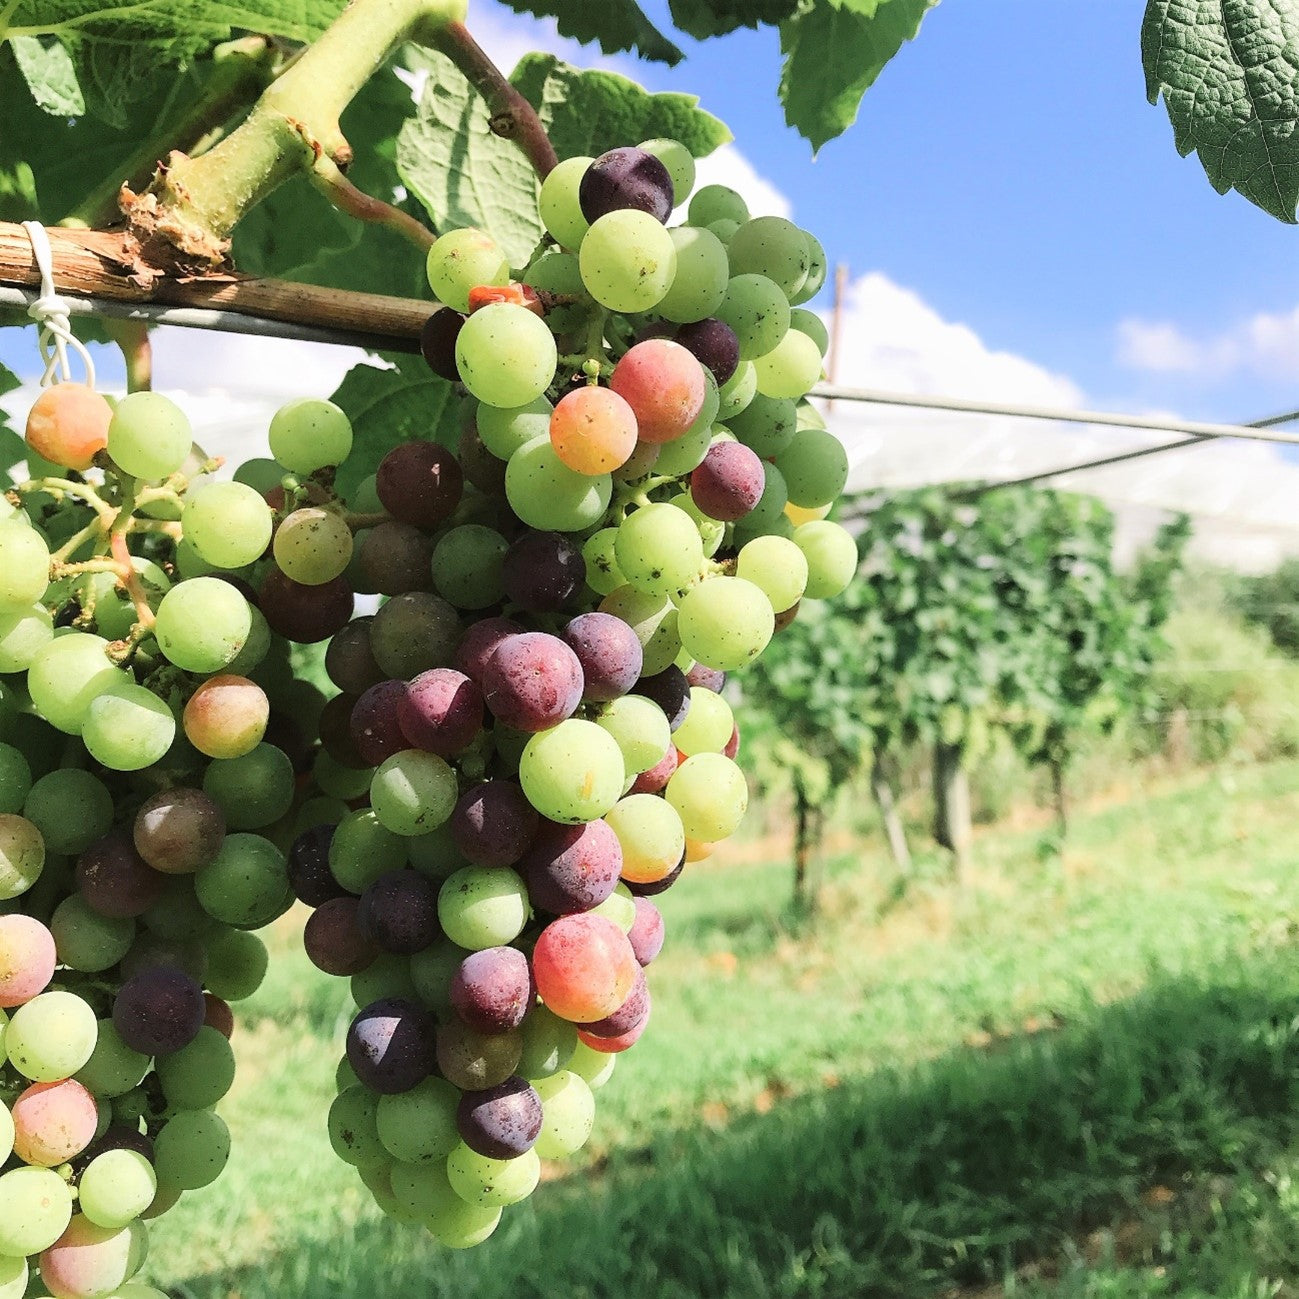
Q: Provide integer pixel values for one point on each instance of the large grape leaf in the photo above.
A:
(616, 24)
(47, 68)
(834, 50)
(388, 407)
(704, 18)
(465, 174)
(1229, 74)
(590, 112)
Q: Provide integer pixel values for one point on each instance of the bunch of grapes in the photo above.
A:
(522, 739)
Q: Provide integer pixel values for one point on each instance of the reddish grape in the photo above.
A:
(593, 430)
(656, 778)
(729, 482)
(68, 425)
(664, 386)
(376, 725)
(301, 613)
(533, 681)
(390, 1045)
(420, 483)
(612, 1045)
(396, 558)
(218, 1015)
(480, 643)
(670, 690)
(632, 1013)
(334, 940)
(572, 868)
(501, 1122)
(701, 674)
(441, 711)
(226, 716)
(543, 571)
(713, 344)
(732, 746)
(609, 652)
(584, 967)
(399, 912)
(27, 959)
(437, 343)
(177, 831)
(53, 1121)
(492, 990)
(647, 931)
(159, 1010)
(493, 823)
(626, 178)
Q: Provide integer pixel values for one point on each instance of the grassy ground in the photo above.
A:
(1077, 1080)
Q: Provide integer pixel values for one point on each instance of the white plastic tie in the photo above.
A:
(51, 313)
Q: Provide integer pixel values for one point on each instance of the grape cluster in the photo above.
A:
(522, 735)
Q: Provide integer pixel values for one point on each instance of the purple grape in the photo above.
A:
(631, 1014)
(419, 483)
(395, 558)
(376, 727)
(626, 178)
(732, 746)
(729, 482)
(647, 932)
(115, 880)
(501, 1122)
(336, 736)
(309, 874)
(572, 868)
(701, 674)
(349, 661)
(493, 823)
(658, 886)
(441, 711)
(610, 655)
(306, 614)
(158, 1011)
(287, 736)
(480, 643)
(437, 343)
(179, 830)
(399, 911)
(533, 681)
(391, 1045)
(713, 344)
(334, 940)
(493, 990)
(670, 690)
(656, 778)
(481, 469)
(543, 571)
(151, 951)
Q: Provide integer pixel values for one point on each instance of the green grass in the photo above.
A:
(857, 1108)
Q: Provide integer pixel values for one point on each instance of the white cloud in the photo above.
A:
(1263, 345)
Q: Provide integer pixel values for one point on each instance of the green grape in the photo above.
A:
(71, 808)
(711, 532)
(261, 474)
(680, 163)
(831, 555)
(178, 915)
(87, 941)
(353, 1127)
(246, 884)
(766, 425)
(603, 575)
(505, 430)
(809, 416)
(50, 1037)
(413, 792)
(116, 1188)
(595, 1068)
(650, 833)
(654, 619)
(189, 563)
(67, 674)
(199, 1074)
(757, 311)
(254, 789)
(814, 466)
(202, 624)
(619, 906)
(462, 260)
(809, 323)
(35, 1209)
(770, 508)
(458, 1225)
(23, 634)
(546, 494)
(113, 1068)
(338, 781)
(24, 565)
(773, 247)
(229, 524)
(310, 434)
(573, 772)
(14, 1277)
(737, 392)
(192, 1149)
(362, 849)
(15, 778)
(724, 228)
(149, 435)
(255, 647)
(22, 855)
(482, 906)
(434, 854)
(128, 728)
(548, 1044)
(709, 722)
(561, 211)
(725, 622)
(506, 356)
(641, 730)
(658, 549)
(777, 566)
(709, 793)
(115, 614)
(476, 1179)
(817, 269)
(467, 566)
(558, 273)
(628, 260)
(419, 1125)
(791, 368)
(431, 971)
(717, 203)
(699, 284)
(313, 546)
(567, 1114)
(237, 964)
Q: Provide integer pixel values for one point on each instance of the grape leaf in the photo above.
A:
(463, 173)
(388, 407)
(616, 24)
(47, 68)
(834, 50)
(590, 112)
(1229, 74)
(12, 448)
(704, 18)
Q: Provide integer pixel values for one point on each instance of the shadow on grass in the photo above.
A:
(898, 1185)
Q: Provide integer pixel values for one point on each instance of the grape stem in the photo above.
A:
(128, 577)
(77, 540)
(80, 491)
(328, 178)
(358, 522)
(132, 339)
